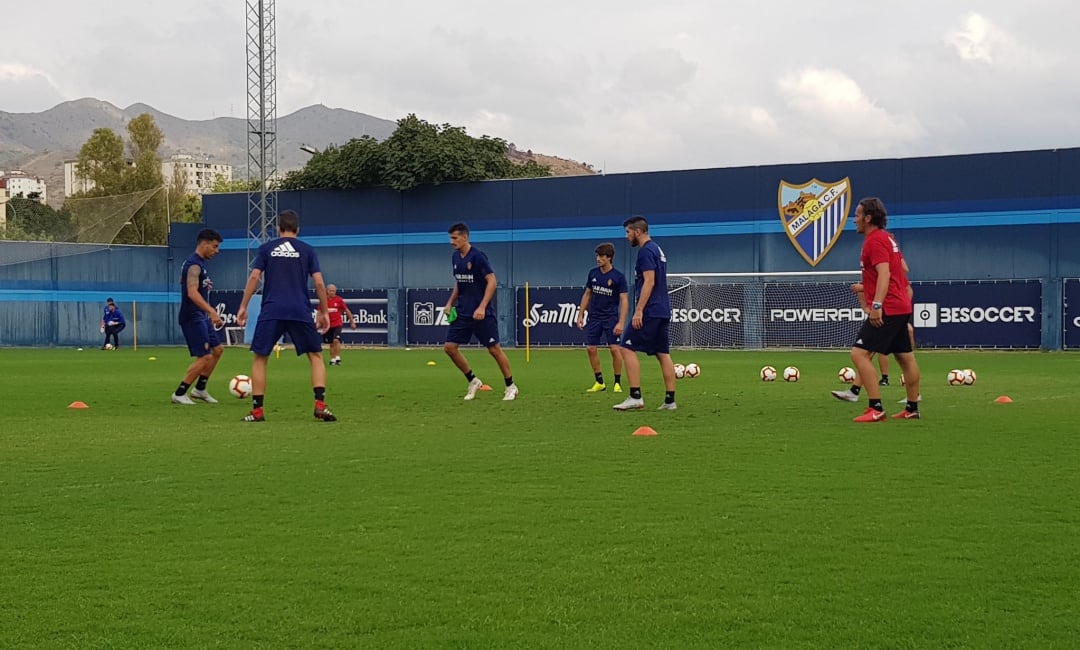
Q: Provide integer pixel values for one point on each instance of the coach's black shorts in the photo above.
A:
(331, 335)
(891, 338)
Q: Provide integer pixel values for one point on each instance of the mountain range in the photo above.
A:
(39, 143)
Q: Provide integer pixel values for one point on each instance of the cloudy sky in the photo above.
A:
(625, 85)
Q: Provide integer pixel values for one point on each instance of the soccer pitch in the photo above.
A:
(760, 516)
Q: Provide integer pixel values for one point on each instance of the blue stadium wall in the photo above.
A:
(988, 216)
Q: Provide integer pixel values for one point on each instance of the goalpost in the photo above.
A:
(751, 311)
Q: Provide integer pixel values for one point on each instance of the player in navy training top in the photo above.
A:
(112, 323)
(648, 331)
(605, 299)
(474, 290)
(285, 264)
(198, 320)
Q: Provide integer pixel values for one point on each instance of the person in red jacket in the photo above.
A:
(337, 308)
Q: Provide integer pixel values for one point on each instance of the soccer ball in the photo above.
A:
(956, 377)
(680, 371)
(969, 376)
(768, 373)
(240, 386)
(108, 346)
(846, 375)
(692, 370)
(791, 373)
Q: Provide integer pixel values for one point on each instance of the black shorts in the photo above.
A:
(331, 335)
(891, 338)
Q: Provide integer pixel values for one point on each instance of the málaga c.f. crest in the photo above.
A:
(814, 214)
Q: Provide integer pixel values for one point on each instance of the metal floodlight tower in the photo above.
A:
(261, 123)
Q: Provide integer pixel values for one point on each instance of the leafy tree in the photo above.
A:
(417, 153)
(28, 219)
(189, 209)
(101, 161)
(222, 185)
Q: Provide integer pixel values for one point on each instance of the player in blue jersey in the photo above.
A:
(474, 289)
(285, 264)
(198, 320)
(648, 331)
(605, 298)
(112, 323)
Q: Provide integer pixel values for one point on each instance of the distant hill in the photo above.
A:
(38, 143)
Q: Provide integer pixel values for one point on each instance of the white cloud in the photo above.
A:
(839, 108)
(26, 89)
(975, 41)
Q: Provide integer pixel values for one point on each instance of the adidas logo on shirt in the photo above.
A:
(284, 249)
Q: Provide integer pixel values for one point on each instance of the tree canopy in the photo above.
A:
(102, 162)
(31, 220)
(417, 153)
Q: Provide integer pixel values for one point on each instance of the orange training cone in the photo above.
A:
(645, 431)
(78, 405)
(485, 387)
(1004, 399)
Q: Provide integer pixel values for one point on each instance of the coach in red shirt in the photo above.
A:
(336, 307)
(885, 330)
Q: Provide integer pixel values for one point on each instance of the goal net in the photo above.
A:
(764, 310)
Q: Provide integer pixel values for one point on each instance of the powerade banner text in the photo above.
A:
(1004, 314)
(799, 315)
(1071, 309)
(368, 307)
(552, 316)
(425, 320)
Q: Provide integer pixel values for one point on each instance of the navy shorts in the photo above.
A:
(464, 329)
(652, 338)
(200, 336)
(301, 332)
(332, 334)
(601, 330)
(891, 338)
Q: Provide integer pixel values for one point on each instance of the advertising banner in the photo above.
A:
(552, 316)
(990, 314)
(1071, 311)
(711, 316)
(368, 306)
(425, 321)
(805, 315)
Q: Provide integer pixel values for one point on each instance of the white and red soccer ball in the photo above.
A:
(956, 377)
(768, 373)
(240, 386)
(846, 375)
(680, 371)
(791, 373)
(692, 370)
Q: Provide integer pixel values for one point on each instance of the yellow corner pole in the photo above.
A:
(527, 323)
(134, 328)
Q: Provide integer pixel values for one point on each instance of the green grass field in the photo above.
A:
(761, 516)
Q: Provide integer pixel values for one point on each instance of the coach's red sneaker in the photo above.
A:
(906, 415)
(871, 415)
(323, 413)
